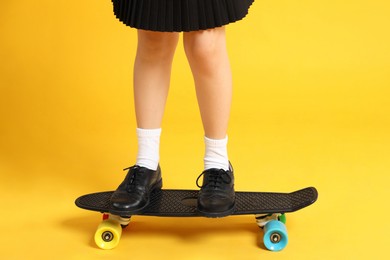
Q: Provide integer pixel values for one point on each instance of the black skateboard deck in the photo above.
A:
(182, 203)
(268, 207)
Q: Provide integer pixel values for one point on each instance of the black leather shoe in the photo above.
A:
(216, 197)
(133, 194)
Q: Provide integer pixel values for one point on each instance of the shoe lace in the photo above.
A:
(133, 181)
(215, 178)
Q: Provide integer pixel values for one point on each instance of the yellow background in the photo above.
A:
(311, 107)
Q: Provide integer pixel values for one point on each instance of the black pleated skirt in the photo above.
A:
(179, 15)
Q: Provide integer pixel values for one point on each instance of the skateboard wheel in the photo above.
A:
(275, 235)
(108, 234)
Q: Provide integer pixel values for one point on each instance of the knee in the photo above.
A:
(204, 46)
(199, 47)
(156, 45)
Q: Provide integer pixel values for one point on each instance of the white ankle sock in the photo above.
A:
(148, 148)
(216, 154)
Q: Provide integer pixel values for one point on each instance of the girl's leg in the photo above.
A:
(209, 62)
(152, 71)
(207, 55)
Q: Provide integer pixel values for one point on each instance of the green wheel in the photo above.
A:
(282, 218)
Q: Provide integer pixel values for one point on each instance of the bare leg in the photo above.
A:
(207, 55)
(152, 71)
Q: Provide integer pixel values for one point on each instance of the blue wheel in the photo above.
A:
(275, 235)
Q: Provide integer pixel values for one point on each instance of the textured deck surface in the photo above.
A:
(182, 203)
